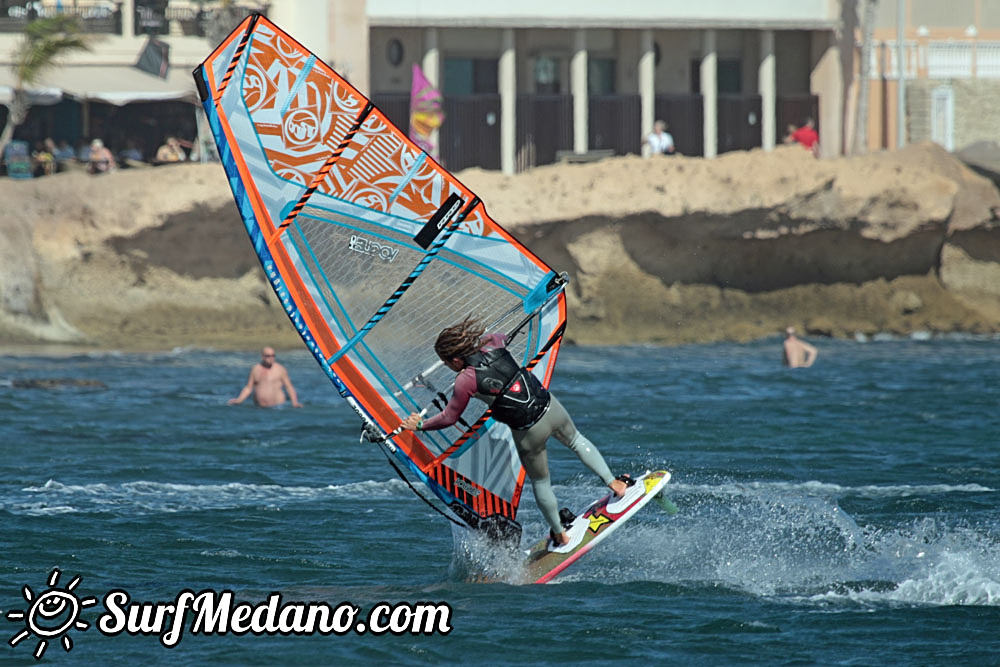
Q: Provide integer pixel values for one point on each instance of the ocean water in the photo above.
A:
(847, 513)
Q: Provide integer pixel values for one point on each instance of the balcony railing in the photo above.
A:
(105, 17)
(186, 21)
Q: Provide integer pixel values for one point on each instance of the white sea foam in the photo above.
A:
(955, 579)
(826, 489)
(793, 541)
(145, 496)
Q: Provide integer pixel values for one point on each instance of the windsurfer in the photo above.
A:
(486, 369)
(268, 383)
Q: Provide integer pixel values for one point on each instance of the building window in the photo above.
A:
(546, 75)
(728, 76)
(470, 76)
(601, 76)
(394, 52)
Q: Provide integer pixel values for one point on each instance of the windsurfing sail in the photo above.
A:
(372, 248)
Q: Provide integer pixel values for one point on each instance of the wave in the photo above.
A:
(147, 497)
(794, 542)
(826, 489)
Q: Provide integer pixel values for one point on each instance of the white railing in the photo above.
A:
(949, 60)
(891, 67)
(988, 60)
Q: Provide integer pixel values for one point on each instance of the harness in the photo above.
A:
(520, 399)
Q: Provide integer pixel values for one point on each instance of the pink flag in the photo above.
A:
(425, 111)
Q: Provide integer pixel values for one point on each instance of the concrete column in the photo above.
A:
(341, 33)
(431, 65)
(578, 86)
(508, 102)
(828, 80)
(766, 84)
(128, 18)
(709, 93)
(647, 84)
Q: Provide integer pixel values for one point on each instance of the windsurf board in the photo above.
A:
(545, 561)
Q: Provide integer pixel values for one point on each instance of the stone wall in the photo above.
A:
(976, 109)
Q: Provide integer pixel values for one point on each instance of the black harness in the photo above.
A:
(521, 400)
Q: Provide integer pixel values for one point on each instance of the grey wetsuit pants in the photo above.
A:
(557, 423)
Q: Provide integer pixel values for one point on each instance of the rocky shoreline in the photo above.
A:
(663, 251)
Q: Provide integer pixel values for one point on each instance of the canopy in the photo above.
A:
(114, 84)
(37, 95)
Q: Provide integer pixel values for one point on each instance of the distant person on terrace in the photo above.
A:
(660, 141)
(805, 135)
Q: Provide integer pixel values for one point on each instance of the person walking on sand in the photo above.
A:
(486, 369)
(268, 383)
(798, 353)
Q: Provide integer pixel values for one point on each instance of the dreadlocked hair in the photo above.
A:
(460, 340)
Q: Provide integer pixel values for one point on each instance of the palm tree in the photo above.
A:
(45, 39)
(861, 126)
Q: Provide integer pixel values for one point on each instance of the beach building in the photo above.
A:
(527, 83)
(950, 91)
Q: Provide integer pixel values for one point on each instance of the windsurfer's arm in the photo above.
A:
(497, 340)
(465, 387)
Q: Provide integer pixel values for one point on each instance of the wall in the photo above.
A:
(976, 110)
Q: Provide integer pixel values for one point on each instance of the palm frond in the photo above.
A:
(44, 41)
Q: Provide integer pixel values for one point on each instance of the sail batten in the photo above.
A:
(372, 248)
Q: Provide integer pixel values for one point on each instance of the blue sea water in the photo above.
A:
(848, 513)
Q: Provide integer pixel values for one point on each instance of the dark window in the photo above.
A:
(546, 73)
(470, 76)
(728, 77)
(601, 76)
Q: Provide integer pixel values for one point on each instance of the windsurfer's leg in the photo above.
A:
(531, 449)
(565, 432)
(547, 503)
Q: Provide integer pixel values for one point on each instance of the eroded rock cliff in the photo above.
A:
(660, 250)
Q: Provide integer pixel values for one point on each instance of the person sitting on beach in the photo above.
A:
(43, 158)
(268, 383)
(517, 398)
(64, 153)
(131, 155)
(797, 353)
(171, 151)
(100, 161)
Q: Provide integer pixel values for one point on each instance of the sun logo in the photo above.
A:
(51, 614)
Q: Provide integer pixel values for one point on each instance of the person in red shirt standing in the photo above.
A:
(807, 136)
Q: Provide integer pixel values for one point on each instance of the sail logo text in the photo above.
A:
(450, 214)
(373, 248)
(468, 488)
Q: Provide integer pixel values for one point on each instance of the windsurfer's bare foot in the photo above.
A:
(619, 487)
(560, 540)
